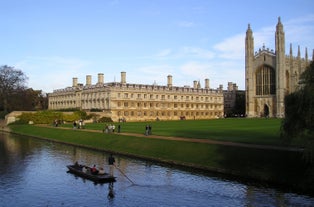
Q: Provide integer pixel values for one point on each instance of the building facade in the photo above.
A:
(270, 75)
(231, 96)
(140, 102)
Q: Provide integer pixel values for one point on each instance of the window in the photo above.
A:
(265, 81)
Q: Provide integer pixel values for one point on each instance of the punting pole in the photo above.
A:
(124, 174)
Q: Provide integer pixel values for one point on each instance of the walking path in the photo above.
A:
(208, 141)
(195, 140)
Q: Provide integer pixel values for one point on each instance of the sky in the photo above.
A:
(52, 41)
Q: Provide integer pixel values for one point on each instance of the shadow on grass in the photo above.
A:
(283, 169)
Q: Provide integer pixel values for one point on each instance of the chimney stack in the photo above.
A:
(88, 80)
(169, 84)
(100, 78)
(123, 77)
(206, 83)
(74, 82)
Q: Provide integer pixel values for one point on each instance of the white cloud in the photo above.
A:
(196, 70)
(186, 53)
(231, 48)
(47, 73)
(195, 52)
(186, 24)
(150, 74)
(164, 53)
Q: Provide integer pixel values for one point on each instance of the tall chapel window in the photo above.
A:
(265, 81)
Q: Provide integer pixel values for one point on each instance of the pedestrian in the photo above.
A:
(111, 162)
(119, 128)
(146, 130)
(149, 129)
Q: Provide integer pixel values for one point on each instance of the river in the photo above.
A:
(33, 173)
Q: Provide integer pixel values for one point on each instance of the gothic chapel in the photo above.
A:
(270, 75)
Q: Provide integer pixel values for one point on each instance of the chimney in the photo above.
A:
(230, 86)
(100, 78)
(74, 82)
(235, 87)
(195, 84)
(169, 84)
(221, 87)
(88, 80)
(123, 77)
(206, 83)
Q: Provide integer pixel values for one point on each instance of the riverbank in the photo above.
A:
(282, 168)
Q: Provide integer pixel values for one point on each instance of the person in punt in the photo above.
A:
(94, 170)
(84, 169)
(101, 171)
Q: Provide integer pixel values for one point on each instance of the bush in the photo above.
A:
(48, 117)
(104, 120)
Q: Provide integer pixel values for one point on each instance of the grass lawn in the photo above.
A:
(254, 131)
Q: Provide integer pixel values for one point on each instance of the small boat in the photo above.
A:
(97, 178)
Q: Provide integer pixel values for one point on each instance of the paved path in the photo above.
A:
(208, 141)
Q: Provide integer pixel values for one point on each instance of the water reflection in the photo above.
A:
(33, 173)
(110, 191)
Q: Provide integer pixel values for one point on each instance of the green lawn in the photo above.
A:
(255, 131)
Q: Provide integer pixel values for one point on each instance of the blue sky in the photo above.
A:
(52, 41)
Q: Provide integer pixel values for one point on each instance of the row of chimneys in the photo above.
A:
(196, 84)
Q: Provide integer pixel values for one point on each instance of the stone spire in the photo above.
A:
(299, 52)
(279, 26)
(249, 41)
(280, 68)
(306, 56)
(249, 68)
(291, 50)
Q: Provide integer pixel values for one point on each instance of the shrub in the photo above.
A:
(105, 119)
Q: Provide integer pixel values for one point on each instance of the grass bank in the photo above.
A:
(252, 131)
(284, 168)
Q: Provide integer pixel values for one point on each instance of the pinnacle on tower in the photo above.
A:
(291, 49)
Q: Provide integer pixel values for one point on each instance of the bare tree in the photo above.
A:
(11, 80)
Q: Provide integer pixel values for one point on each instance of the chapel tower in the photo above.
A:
(270, 75)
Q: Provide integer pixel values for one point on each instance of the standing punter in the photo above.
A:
(111, 162)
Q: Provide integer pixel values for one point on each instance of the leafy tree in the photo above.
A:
(27, 100)
(298, 124)
(239, 107)
(11, 81)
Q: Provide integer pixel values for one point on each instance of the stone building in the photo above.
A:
(140, 102)
(230, 97)
(270, 75)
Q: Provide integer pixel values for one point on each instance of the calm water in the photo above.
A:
(33, 173)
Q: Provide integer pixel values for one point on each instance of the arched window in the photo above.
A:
(265, 81)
